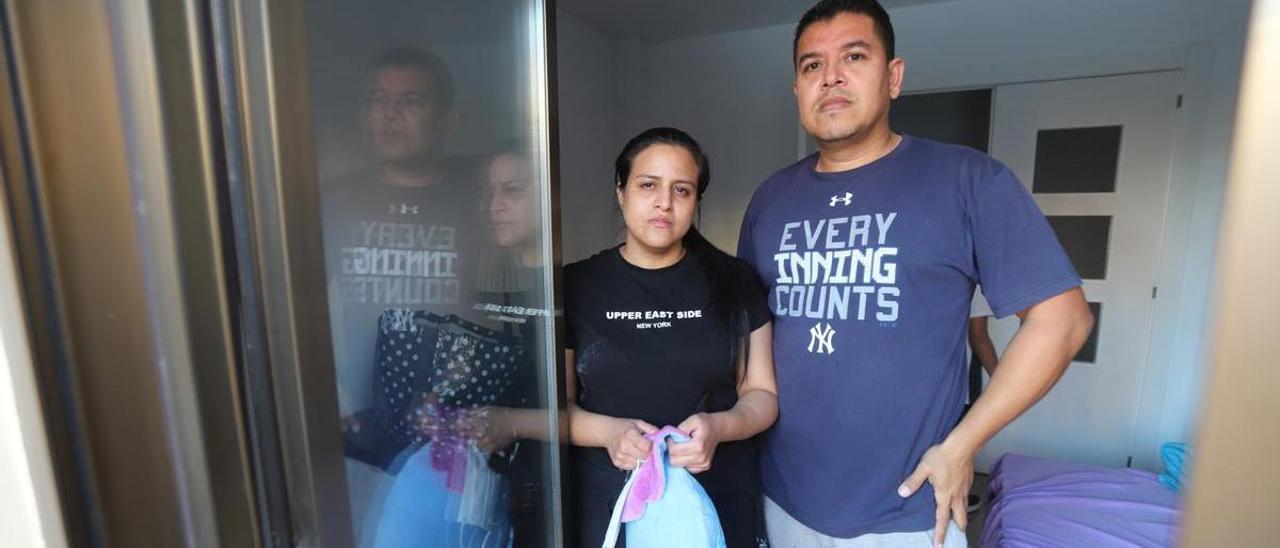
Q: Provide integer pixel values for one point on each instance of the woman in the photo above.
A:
(666, 329)
(471, 483)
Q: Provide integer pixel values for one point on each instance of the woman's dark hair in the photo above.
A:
(731, 285)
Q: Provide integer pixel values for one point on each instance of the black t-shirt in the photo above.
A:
(646, 343)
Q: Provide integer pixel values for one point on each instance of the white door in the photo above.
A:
(1096, 154)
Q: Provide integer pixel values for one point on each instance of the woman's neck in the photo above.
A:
(531, 254)
(649, 258)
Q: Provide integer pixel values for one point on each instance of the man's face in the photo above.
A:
(404, 116)
(844, 82)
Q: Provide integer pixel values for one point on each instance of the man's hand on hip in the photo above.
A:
(950, 472)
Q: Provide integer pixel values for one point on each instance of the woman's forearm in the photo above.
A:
(528, 424)
(587, 429)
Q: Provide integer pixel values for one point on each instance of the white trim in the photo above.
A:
(29, 510)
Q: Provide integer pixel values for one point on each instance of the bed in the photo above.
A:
(1037, 502)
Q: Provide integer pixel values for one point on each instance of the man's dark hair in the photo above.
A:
(425, 61)
(827, 10)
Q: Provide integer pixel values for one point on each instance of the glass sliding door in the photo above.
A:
(397, 158)
(288, 268)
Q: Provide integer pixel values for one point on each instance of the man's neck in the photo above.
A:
(422, 173)
(856, 152)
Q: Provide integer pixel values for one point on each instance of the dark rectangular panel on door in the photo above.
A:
(1086, 238)
(957, 117)
(1076, 160)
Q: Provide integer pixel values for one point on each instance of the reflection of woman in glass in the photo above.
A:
(666, 329)
(510, 288)
(468, 482)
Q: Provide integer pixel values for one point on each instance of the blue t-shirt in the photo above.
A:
(870, 274)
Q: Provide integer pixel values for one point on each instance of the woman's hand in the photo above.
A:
(626, 442)
(695, 455)
(491, 428)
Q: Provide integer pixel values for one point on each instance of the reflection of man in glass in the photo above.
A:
(409, 108)
(401, 235)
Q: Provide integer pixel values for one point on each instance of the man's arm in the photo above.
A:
(980, 343)
(1052, 332)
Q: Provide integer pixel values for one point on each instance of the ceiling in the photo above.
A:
(657, 20)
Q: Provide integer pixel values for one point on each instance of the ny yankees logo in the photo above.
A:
(403, 209)
(847, 199)
(821, 334)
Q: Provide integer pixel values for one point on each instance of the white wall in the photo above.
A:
(732, 91)
(589, 140)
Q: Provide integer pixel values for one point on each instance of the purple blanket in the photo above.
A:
(1039, 502)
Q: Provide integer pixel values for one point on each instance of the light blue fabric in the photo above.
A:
(1177, 462)
(420, 512)
(683, 516)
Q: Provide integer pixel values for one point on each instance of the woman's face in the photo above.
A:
(659, 197)
(510, 201)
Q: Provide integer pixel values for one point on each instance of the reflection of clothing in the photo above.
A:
(435, 370)
(421, 509)
(647, 346)
(389, 247)
(500, 272)
(511, 296)
(870, 274)
(432, 368)
(394, 247)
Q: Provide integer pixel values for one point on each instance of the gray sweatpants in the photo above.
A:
(786, 532)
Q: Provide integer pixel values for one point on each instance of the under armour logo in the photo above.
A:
(403, 209)
(820, 335)
(847, 199)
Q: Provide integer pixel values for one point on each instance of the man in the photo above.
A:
(401, 234)
(871, 249)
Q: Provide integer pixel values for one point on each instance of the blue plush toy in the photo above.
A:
(1177, 462)
(664, 506)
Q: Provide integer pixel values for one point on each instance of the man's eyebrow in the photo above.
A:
(848, 45)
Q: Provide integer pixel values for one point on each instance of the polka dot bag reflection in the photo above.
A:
(435, 364)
